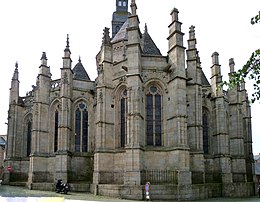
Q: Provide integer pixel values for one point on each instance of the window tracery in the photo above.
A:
(153, 116)
(81, 128)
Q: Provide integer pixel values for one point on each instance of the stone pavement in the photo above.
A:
(21, 194)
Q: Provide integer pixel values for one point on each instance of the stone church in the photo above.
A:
(146, 117)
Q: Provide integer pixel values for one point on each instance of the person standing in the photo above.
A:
(147, 189)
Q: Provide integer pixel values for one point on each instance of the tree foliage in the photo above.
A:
(251, 70)
(255, 19)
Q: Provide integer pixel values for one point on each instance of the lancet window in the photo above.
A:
(56, 125)
(81, 128)
(123, 118)
(153, 116)
(29, 137)
(205, 123)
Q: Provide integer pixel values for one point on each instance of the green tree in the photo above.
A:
(251, 70)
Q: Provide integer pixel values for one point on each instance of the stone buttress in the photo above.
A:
(38, 169)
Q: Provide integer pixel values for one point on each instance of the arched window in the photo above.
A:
(117, 28)
(29, 137)
(119, 3)
(205, 123)
(124, 3)
(81, 128)
(56, 127)
(153, 117)
(123, 118)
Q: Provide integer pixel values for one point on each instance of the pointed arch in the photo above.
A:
(205, 124)
(154, 114)
(54, 125)
(81, 126)
(28, 134)
(121, 100)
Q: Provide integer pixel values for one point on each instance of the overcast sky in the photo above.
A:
(29, 27)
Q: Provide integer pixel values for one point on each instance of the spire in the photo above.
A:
(67, 49)
(79, 59)
(133, 7)
(14, 90)
(68, 44)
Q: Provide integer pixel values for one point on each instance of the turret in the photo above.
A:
(14, 90)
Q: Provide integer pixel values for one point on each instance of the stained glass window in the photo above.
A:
(205, 123)
(56, 125)
(123, 118)
(81, 128)
(29, 137)
(153, 117)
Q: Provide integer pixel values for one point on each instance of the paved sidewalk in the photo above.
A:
(14, 194)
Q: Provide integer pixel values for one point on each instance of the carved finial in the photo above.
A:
(192, 32)
(145, 28)
(15, 75)
(232, 65)
(133, 7)
(44, 59)
(174, 14)
(68, 43)
(79, 59)
(43, 56)
(106, 37)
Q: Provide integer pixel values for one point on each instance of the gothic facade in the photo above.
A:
(146, 117)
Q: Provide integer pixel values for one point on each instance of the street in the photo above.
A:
(21, 194)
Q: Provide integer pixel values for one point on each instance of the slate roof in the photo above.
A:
(148, 45)
(204, 80)
(121, 34)
(80, 72)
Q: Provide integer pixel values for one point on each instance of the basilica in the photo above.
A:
(147, 117)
